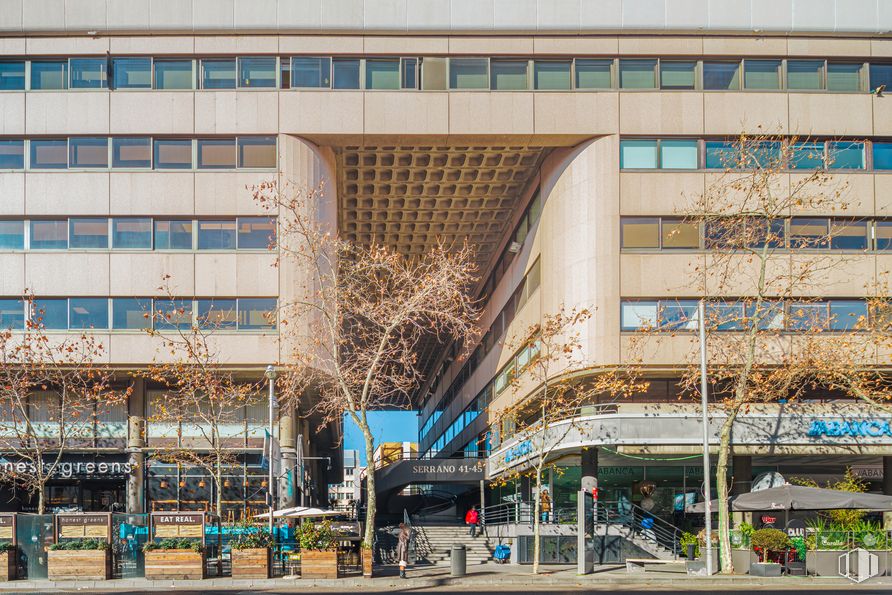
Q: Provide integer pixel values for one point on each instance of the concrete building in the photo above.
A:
(531, 128)
(345, 494)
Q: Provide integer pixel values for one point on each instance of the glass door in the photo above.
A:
(34, 534)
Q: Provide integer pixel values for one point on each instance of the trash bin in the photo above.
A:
(459, 559)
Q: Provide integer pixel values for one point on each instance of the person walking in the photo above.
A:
(545, 505)
(472, 519)
(402, 548)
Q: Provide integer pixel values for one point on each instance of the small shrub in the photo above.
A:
(689, 539)
(312, 536)
(89, 543)
(770, 540)
(182, 543)
(6, 546)
(251, 537)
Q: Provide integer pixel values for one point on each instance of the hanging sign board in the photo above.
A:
(7, 527)
(174, 524)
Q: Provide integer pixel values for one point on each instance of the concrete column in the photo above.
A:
(589, 468)
(287, 492)
(887, 490)
(742, 473)
(136, 443)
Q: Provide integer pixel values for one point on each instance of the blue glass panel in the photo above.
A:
(51, 314)
(131, 313)
(85, 313)
(12, 235)
(12, 314)
(12, 75)
(256, 313)
(12, 154)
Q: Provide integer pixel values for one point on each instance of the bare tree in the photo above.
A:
(202, 396)
(53, 389)
(360, 314)
(548, 356)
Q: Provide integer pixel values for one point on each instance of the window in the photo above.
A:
(720, 155)
(882, 155)
(51, 314)
(679, 234)
(12, 314)
(842, 76)
(725, 316)
(808, 315)
(345, 74)
(132, 233)
(638, 314)
(12, 154)
(257, 72)
(257, 151)
(434, 73)
(638, 154)
(87, 232)
(808, 232)
(847, 315)
(172, 314)
(173, 234)
(217, 153)
(49, 153)
(173, 74)
(468, 73)
(12, 235)
(218, 74)
(382, 74)
(256, 233)
(132, 152)
(637, 74)
(409, 73)
(88, 152)
(807, 156)
(761, 74)
(594, 74)
(173, 153)
(880, 75)
(883, 233)
(217, 314)
(46, 75)
(845, 155)
(679, 154)
(216, 235)
(132, 73)
(88, 73)
(256, 313)
(551, 75)
(678, 315)
(85, 313)
(805, 74)
(310, 72)
(131, 313)
(763, 154)
(49, 234)
(721, 76)
(12, 75)
(767, 315)
(762, 231)
(678, 75)
(508, 75)
(848, 235)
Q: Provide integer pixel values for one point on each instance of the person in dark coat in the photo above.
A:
(402, 548)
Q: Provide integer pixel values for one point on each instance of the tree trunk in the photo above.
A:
(371, 501)
(721, 480)
(41, 507)
(218, 480)
(536, 512)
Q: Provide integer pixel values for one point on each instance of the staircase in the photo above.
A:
(432, 544)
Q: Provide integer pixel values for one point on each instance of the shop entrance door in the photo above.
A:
(34, 534)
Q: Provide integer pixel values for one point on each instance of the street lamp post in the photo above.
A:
(271, 376)
(707, 491)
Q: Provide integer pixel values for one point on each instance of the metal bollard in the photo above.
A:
(459, 557)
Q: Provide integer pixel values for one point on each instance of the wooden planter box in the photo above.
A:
(250, 563)
(8, 561)
(78, 565)
(316, 564)
(175, 564)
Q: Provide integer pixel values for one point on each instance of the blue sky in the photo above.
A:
(387, 426)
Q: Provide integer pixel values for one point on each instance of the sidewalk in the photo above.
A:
(484, 577)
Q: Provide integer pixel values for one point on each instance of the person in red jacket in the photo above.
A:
(472, 517)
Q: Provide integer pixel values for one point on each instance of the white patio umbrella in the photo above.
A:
(298, 512)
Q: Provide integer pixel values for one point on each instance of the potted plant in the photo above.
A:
(250, 552)
(690, 545)
(79, 559)
(318, 554)
(766, 541)
(742, 555)
(824, 542)
(181, 558)
(8, 552)
(368, 560)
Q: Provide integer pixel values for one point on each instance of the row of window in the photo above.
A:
(529, 218)
(798, 233)
(441, 73)
(131, 314)
(673, 315)
(137, 233)
(138, 152)
(518, 300)
(689, 153)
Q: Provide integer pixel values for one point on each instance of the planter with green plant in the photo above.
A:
(742, 555)
(250, 552)
(8, 554)
(765, 542)
(690, 545)
(79, 559)
(318, 550)
(175, 558)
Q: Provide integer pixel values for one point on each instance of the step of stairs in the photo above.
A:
(434, 544)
